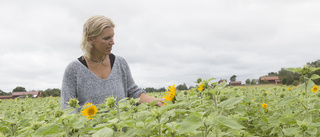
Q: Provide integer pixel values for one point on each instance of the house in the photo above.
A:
(5, 97)
(221, 80)
(269, 80)
(14, 95)
(235, 83)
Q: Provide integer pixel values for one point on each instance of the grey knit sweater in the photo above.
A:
(81, 83)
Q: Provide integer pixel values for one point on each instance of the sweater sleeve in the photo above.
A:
(69, 83)
(132, 89)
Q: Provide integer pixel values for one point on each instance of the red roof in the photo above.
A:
(5, 97)
(235, 82)
(25, 93)
(270, 78)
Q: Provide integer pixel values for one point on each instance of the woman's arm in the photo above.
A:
(68, 89)
(144, 98)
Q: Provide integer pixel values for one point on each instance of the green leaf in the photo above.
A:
(48, 129)
(297, 70)
(312, 69)
(221, 85)
(210, 79)
(230, 102)
(179, 111)
(312, 131)
(229, 122)
(189, 124)
(309, 86)
(314, 124)
(291, 131)
(314, 76)
(104, 132)
(167, 107)
(275, 130)
(135, 132)
(287, 100)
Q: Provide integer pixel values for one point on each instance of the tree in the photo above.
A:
(2, 93)
(253, 82)
(287, 77)
(182, 87)
(272, 74)
(233, 78)
(55, 92)
(19, 89)
(248, 82)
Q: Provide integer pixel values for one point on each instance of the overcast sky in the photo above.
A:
(164, 42)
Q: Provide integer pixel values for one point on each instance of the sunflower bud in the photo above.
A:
(135, 109)
(35, 126)
(156, 113)
(305, 71)
(111, 102)
(73, 102)
(303, 127)
(125, 108)
(132, 102)
(58, 113)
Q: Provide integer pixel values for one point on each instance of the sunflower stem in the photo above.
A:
(160, 127)
(306, 92)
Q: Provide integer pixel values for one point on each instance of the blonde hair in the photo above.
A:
(93, 27)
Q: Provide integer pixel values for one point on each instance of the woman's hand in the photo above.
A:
(144, 98)
(160, 102)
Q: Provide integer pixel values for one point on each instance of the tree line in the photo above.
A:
(54, 92)
(288, 77)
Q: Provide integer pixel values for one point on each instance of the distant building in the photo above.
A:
(269, 80)
(14, 95)
(5, 97)
(221, 80)
(235, 83)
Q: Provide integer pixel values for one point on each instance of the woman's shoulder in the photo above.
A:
(120, 59)
(73, 64)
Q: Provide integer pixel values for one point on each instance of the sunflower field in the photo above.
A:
(208, 110)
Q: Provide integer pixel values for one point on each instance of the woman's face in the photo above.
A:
(103, 43)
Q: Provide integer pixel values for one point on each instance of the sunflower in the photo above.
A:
(200, 87)
(289, 88)
(91, 110)
(264, 105)
(170, 94)
(315, 88)
(87, 104)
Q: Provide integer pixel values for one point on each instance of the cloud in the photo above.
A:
(164, 42)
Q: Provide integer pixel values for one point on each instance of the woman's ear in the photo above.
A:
(90, 39)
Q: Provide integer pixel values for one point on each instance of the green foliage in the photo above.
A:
(151, 89)
(182, 87)
(273, 74)
(55, 92)
(253, 82)
(315, 64)
(233, 78)
(287, 77)
(248, 82)
(4, 93)
(19, 89)
(218, 110)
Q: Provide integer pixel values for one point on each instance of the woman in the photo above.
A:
(99, 74)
